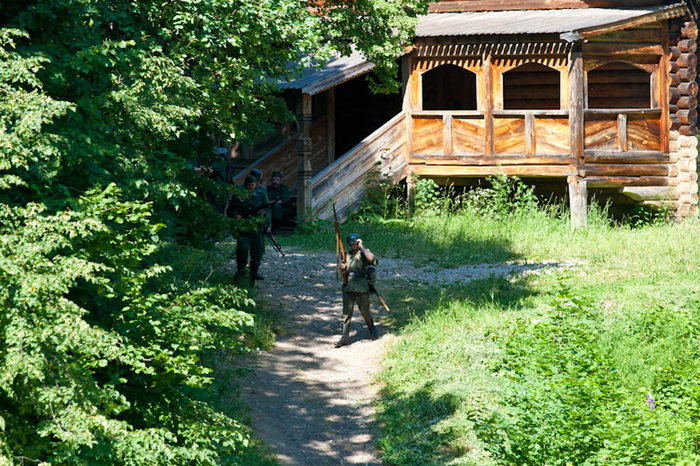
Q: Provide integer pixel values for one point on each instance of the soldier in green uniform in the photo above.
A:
(250, 240)
(276, 191)
(260, 189)
(358, 262)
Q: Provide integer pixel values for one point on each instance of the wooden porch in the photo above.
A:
(619, 145)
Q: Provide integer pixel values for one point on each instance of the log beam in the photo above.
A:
(578, 201)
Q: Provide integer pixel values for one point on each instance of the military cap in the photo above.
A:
(352, 238)
(276, 174)
(256, 173)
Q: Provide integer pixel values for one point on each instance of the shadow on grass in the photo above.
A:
(399, 239)
(411, 429)
(412, 432)
(411, 436)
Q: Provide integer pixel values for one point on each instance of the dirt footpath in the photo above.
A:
(313, 403)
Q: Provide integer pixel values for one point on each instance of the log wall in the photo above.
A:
(683, 118)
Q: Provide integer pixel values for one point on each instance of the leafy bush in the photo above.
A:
(106, 106)
(101, 343)
(427, 198)
(569, 403)
(507, 196)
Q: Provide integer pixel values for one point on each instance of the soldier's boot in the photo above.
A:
(373, 333)
(254, 275)
(345, 337)
(372, 329)
(240, 269)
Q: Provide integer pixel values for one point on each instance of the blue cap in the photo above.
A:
(352, 238)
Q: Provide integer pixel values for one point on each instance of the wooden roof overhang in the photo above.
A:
(336, 71)
(570, 25)
(443, 6)
(545, 27)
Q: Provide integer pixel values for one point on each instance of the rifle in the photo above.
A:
(339, 248)
(252, 211)
(274, 242)
(372, 289)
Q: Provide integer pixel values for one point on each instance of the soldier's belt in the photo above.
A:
(357, 275)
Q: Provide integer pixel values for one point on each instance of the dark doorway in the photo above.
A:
(359, 112)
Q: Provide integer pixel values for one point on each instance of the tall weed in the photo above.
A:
(507, 196)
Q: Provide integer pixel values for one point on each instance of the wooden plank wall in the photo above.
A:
(625, 134)
(626, 137)
(285, 157)
(342, 182)
(532, 86)
(530, 141)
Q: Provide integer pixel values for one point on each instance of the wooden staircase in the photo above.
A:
(343, 182)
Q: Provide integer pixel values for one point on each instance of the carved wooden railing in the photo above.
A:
(467, 133)
(623, 129)
(532, 132)
(343, 181)
(625, 147)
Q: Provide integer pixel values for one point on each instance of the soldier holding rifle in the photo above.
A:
(356, 268)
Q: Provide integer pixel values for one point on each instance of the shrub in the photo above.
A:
(569, 404)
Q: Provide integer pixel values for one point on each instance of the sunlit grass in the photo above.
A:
(445, 374)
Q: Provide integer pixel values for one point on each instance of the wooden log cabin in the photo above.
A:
(588, 94)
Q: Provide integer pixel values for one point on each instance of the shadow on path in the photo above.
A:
(313, 403)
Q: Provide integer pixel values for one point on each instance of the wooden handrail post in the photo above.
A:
(622, 132)
(577, 184)
(530, 136)
(447, 148)
(488, 104)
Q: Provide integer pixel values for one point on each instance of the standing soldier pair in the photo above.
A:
(253, 207)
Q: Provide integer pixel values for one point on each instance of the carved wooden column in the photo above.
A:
(330, 126)
(578, 190)
(304, 167)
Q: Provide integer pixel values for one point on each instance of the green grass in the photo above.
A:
(597, 365)
(554, 368)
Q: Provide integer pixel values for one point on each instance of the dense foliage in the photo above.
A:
(104, 108)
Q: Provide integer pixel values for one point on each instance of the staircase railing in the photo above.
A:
(343, 181)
